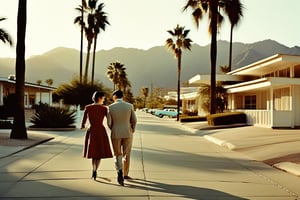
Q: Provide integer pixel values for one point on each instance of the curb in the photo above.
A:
(27, 147)
(219, 142)
(51, 129)
(290, 167)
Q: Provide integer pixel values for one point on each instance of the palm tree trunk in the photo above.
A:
(213, 55)
(94, 55)
(19, 128)
(87, 64)
(178, 86)
(81, 44)
(230, 48)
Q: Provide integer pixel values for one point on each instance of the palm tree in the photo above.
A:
(212, 7)
(145, 92)
(96, 21)
(116, 73)
(89, 35)
(80, 21)
(19, 129)
(175, 44)
(39, 82)
(224, 69)
(100, 24)
(4, 36)
(124, 83)
(89, 31)
(234, 11)
(49, 81)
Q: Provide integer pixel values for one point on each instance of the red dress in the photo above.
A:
(96, 140)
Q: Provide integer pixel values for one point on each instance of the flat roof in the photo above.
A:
(12, 81)
(268, 65)
(205, 79)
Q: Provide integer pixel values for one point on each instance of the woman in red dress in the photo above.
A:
(96, 144)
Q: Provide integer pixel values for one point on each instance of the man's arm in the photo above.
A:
(133, 119)
(109, 119)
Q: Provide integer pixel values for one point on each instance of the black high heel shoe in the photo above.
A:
(94, 175)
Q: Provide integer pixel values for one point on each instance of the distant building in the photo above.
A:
(34, 93)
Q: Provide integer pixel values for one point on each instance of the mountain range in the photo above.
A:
(155, 67)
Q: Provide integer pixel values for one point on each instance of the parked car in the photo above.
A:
(169, 112)
(151, 111)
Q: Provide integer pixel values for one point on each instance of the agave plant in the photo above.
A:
(46, 116)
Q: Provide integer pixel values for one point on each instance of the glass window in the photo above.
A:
(31, 99)
(284, 72)
(250, 102)
(282, 99)
(297, 71)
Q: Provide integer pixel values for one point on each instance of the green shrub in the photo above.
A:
(77, 93)
(46, 116)
(192, 119)
(226, 118)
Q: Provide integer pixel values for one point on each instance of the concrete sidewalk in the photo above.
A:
(279, 148)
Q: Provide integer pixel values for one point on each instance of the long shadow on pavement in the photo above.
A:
(183, 191)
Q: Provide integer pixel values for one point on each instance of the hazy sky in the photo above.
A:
(143, 24)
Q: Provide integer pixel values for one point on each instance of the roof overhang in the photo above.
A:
(268, 65)
(205, 79)
(11, 81)
(262, 83)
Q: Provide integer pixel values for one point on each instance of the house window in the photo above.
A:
(269, 75)
(250, 102)
(297, 71)
(25, 100)
(282, 99)
(31, 99)
(284, 72)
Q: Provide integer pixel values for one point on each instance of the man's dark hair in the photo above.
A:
(118, 94)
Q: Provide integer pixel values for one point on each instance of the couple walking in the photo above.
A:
(121, 120)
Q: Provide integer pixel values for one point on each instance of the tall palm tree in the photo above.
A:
(100, 24)
(234, 11)
(80, 20)
(117, 74)
(175, 44)
(19, 129)
(212, 7)
(89, 33)
(145, 92)
(4, 36)
(124, 83)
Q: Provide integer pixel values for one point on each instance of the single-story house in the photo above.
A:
(270, 92)
(34, 93)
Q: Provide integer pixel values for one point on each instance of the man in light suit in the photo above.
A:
(121, 120)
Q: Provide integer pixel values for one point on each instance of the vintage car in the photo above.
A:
(169, 112)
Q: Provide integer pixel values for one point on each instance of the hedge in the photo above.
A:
(227, 118)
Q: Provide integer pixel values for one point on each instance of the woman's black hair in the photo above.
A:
(97, 95)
